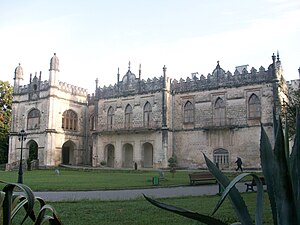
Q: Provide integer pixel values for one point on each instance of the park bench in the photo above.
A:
(201, 176)
(250, 185)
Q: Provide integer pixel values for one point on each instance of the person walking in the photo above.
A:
(239, 164)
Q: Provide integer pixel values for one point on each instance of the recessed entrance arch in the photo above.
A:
(33, 150)
(148, 155)
(128, 156)
(68, 153)
(110, 155)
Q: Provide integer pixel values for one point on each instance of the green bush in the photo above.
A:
(281, 170)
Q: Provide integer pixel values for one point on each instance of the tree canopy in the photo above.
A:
(5, 118)
(290, 110)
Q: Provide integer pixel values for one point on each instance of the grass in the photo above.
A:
(47, 180)
(140, 212)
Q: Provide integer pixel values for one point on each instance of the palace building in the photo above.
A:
(146, 121)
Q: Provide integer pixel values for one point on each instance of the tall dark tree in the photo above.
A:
(5, 118)
(290, 109)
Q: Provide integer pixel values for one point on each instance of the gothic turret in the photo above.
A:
(54, 70)
(18, 78)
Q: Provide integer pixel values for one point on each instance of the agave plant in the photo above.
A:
(11, 204)
(282, 175)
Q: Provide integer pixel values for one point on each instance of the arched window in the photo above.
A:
(219, 112)
(69, 120)
(254, 107)
(147, 114)
(221, 157)
(92, 122)
(110, 117)
(188, 112)
(33, 119)
(128, 116)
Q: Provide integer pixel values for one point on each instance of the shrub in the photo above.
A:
(172, 164)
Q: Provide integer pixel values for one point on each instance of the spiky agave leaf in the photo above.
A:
(295, 166)
(186, 213)
(259, 196)
(43, 217)
(234, 195)
(285, 204)
(7, 203)
(267, 161)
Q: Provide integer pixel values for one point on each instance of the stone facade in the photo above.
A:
(145, 122)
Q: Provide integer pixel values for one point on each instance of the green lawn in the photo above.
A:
(41, 180)
(93, 180)
(140, 212)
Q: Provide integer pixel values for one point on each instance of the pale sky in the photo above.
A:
(92, 38)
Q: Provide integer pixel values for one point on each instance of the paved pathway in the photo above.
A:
(133, 193)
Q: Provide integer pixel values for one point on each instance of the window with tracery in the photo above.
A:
(69, 120)
(128, 116)
(219, 112)
(33, 119)
(147, 114)
(110, 118)
(188, 112)
(254, 107)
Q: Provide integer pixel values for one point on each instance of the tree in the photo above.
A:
(172, 164)
(290, 109)
(5, 118)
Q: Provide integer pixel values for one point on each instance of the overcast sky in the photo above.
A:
(92, 38)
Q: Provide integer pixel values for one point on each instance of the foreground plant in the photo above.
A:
(282, 175)
(11, 205)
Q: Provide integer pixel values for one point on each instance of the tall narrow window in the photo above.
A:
(188, 112)
(33, 119)
(219, 112)
(254, 107)
(110, 117)
(69, 120)
(128, 116)
(147, 114)
(92, 122)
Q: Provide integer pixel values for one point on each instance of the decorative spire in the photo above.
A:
(273, 58)
(118, 75)
(278, 59)
(96, 83)
(218, 65)
(129, 66)
(140, 71)
(299, 72)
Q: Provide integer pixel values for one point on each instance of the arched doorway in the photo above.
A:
(148, 155)
(68, 153)
(33, 150)
(128, 156)
(110, 155)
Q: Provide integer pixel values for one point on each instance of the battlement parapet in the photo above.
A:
(135, 86)
(219, 78)
(72, 89)
(40, 86)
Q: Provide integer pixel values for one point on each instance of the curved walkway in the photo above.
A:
(133, 193)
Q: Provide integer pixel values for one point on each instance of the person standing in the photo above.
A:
(239, 164)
